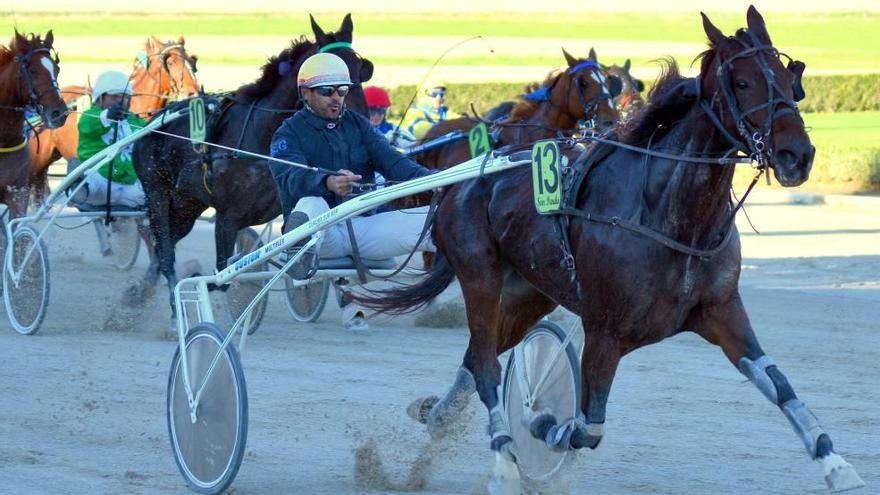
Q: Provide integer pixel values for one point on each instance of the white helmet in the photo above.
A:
(323, 69)
(111, 82)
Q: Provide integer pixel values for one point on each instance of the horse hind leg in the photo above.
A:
(521, 307)
(728, 326)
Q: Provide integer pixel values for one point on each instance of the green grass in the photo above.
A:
(844, 130)
(829, 41)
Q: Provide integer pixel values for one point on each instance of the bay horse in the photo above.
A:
(181, 183)
(655, 249)
(162, 72)
(582, 92)
(28, 81)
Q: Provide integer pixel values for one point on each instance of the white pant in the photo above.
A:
(380, 236)
(131, 195)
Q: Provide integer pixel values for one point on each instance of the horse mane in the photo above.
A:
(7, 53)
(665, 105)
(271, 77)
(523, 107)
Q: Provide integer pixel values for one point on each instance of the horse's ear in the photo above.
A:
(181, 40)
(320, 37)
(756, 25)
(716, 37)
(50, 38)
(592, 55)
(569, 59)
(627, 65)
(347, 26)
(20, 41)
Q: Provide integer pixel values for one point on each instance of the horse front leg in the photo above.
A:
(727, 325)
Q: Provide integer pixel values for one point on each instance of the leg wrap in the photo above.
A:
(498, 423)
(805, 425)
(756, 371)
(450, 406)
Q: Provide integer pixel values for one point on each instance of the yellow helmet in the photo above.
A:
(323, 69)
(433, 84)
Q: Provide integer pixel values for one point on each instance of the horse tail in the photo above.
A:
(409, 298)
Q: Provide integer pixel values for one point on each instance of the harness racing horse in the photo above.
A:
(558, 105)
(655, 248)
(162, 72)
(181, 183)
(28, 81)
(583, 92)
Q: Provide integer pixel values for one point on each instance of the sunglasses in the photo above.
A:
(327, 91)
(378, 110)
(438, 93)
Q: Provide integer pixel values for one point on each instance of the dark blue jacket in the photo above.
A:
(348, 143)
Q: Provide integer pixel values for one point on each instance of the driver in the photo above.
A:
(324, 134)
(104, 123)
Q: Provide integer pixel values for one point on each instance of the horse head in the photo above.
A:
(167, 72)
(751, 96)
(37, 77)
(588, 91)
(360, 69)
(630, 97)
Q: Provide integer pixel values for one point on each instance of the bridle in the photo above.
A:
(590, 107)
(753, 140)
(26, 76)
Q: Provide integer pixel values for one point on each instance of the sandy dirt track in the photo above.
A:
(83, 407)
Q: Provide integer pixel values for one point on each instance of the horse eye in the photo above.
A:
(742, 84)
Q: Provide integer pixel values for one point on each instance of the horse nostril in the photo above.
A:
(786, 158)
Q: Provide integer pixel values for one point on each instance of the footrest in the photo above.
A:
(347, 262)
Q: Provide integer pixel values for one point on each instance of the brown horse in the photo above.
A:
(28, 80)
(583, 92)
(162, 72)
(655, 249)
(181, 183)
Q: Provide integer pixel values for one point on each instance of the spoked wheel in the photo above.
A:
(125, 242)
(240, 293)
(208, 447)
(560, 395)
(26, 300)
(306, 302)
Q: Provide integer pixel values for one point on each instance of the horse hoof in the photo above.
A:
(137, 295)
(840, 476)
(419, 409)
(505, 478)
